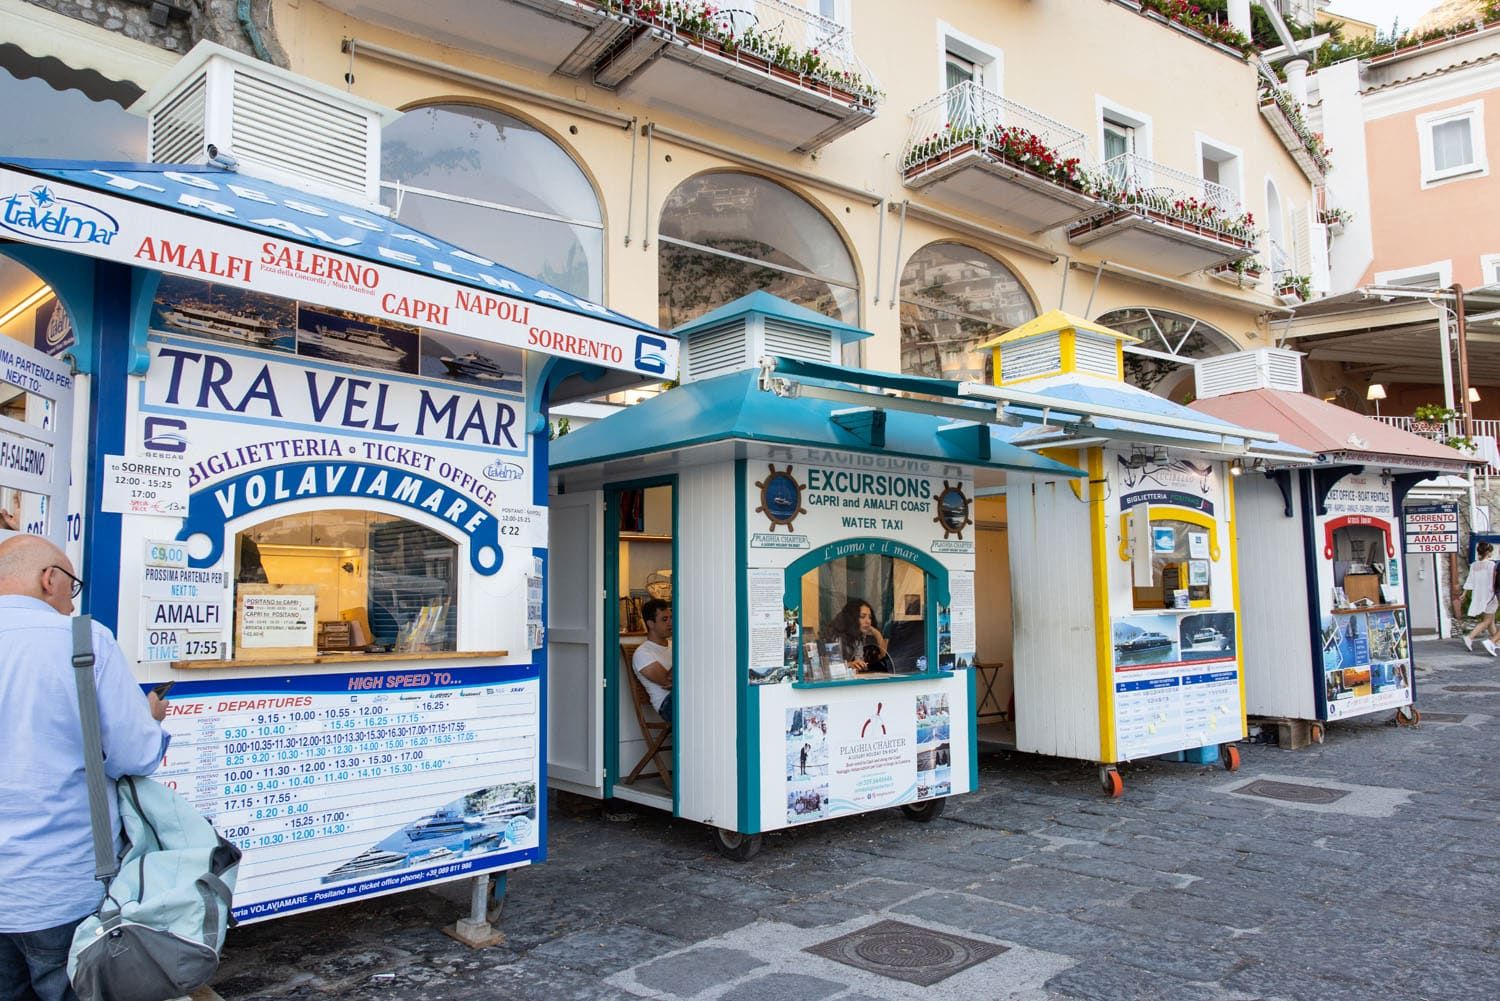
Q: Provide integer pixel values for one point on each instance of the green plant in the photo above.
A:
(1205, 23)
(1337, 48)
(1434, 413)
(1331, 216)
(1311, 141)
(557, 430)
(1298, 285)
(1461, 442)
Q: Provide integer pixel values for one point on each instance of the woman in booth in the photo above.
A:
(864, 648)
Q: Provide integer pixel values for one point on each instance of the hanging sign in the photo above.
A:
(144, 486)
(1431, 528)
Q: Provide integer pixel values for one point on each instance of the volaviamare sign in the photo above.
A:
(216, 226)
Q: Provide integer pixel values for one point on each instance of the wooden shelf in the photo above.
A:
(323, 659)
(1366, 608)
(643, 537)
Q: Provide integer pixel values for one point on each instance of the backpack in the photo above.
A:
(167, 901)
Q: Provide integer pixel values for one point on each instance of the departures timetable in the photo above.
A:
(321, 788)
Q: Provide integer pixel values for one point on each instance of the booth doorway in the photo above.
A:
(1423, 590)
(640, 529)
(994, 632)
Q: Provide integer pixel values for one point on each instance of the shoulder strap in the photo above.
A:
(105, 863)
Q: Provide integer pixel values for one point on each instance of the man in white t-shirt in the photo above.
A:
(653, 659)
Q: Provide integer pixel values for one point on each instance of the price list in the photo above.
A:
(1157, 712)
(305, 781)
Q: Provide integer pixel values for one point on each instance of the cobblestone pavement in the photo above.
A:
(1183, 889)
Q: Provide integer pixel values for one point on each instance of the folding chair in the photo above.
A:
(655, 730)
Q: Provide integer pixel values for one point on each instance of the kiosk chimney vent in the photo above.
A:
(220, 107)
(716, 351)
(1242, 371)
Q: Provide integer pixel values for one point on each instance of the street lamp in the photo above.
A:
(1473, 395)
(1376, 392)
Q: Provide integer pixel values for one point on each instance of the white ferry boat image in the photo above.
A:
(373, 861)
(360, 344)
(434, 855)
(441, 824)
(473, 365)
(504, 810)
(213, 321)
(1143, 641)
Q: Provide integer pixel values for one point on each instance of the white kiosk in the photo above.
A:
(1328, 635)
(770, 498)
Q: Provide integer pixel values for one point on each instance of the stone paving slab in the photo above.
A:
(1179, 890)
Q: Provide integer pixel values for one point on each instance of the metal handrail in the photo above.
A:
(1132, 181)
(968, 113)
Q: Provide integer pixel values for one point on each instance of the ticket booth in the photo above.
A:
(1325, 547)
(1125, 587)
(815, 536)
(314, 489)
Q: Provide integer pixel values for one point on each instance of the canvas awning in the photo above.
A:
(224, 227)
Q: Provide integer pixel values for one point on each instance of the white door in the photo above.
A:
(575, 672)
(36, 436)
(1423, 589)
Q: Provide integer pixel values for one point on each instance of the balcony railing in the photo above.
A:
(778, 70)
(1176, 220)
(1281, 112)
(998, 157)
(1483, 433)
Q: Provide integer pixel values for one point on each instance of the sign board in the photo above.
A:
(144, 486)
(34, 442)
(343, 786)
(1431, 528)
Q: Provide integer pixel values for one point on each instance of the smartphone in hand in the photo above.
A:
(161, 690)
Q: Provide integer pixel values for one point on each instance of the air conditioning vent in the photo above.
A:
(1096, 355)
(1242, 371)
(1025, 359)
(278, 126)
(788, 340)
(715, 352)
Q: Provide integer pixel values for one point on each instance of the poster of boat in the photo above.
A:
(1142, 640)
(466, 359)
(1209, 636)
(351, 339)
(219, 313)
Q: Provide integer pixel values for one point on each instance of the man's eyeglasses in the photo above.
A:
(77, 581)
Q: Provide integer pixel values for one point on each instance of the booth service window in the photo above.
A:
(1180, 566)
(865, 616)
(344, 581)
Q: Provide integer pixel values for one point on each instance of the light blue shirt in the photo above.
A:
(46, 844)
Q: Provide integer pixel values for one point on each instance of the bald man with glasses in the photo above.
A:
(47, 881)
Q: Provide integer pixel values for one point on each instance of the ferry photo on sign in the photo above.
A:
(223, 313)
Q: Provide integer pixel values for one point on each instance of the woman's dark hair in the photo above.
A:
(846, 623)
(1485, 549)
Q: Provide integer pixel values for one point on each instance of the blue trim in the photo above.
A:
(539, 491)
(71, 279)
(143, 285)
(114, 291)
(540, 380)
(845, 682)
(973, 717)
(747, 698)
(1314, 598)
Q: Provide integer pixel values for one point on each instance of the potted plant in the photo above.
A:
(1246, 269)
(1335, 219)
(1432, 418)
(1292, 289)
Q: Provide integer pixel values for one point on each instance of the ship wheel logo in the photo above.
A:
(781, 497)
(953, 510)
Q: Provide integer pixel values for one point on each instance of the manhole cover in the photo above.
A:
(1444, 717)
(1469, 688)
(1291, 792)
(905, 952)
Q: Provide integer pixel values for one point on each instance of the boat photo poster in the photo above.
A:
(253, 320)
(1176, 682)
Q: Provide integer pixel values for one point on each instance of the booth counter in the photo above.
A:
(311, 492)
(773, 505)
(1329, 547)
(1125, 588)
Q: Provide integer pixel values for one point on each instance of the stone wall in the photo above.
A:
(187, 23)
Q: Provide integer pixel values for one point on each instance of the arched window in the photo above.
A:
(952, 298)
(1276, 233)
(1162, 332)
(726, 234)
(497, 186)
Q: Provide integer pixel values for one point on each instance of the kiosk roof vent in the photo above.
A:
(1242, 371)
(739, 334)
(792, 340)
(715, 351)
(265, 122)
(1096, 355)
(1040, 356)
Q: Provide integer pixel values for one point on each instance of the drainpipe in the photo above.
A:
(1465, 404)
(242, 12)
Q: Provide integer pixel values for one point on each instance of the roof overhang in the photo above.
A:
(218, 226)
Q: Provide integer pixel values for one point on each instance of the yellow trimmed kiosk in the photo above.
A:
(815, 538)
(1128, 637)
(1328, 636)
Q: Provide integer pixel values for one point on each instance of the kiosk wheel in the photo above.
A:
(1316, 733)
(736, 846)
(1408, 716)
(926, 811)
(1230, 755)
(1110, 781)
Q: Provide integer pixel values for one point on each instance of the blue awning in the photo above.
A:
(221, 226)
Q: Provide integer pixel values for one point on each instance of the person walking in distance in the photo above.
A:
(1482, 599)
(47, 881)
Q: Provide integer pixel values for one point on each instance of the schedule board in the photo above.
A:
(353, 785)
